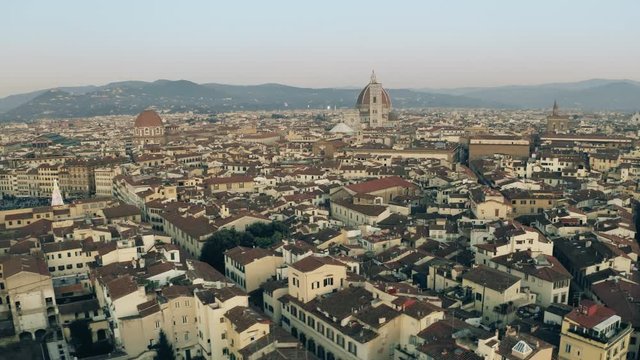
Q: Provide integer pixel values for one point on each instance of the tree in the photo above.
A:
(81, 337)
(257, 234)
(164, 350)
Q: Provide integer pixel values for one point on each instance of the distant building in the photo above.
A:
(374, 104)
(148, 128)
(557, 123)
(489, 145)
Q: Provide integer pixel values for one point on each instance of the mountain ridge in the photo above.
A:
(130, 97)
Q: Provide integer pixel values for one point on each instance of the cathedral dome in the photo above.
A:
(364, 99)
(148, 118)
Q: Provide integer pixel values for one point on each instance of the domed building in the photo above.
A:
(148, 128)
(374, 104)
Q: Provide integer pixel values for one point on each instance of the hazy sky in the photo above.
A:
(317, 44)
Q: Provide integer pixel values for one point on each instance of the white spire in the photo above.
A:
(373, 77)
(56, 196)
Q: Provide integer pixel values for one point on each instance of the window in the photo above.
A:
(340, 340)
(184, 319)
(567, 348)
(330, 334)
(311, 322)
(352, 348)
(157, 324)
(328, 281)
(478, 297)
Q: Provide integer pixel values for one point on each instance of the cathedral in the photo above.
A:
(148, 129)
(557, 123)
(374, 104)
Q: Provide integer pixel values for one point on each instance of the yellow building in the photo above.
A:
(496, 294)
(315, 275)
(251, 267)
(593, 331)
(26, 295)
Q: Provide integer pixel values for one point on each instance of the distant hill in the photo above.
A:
(131, 97)
(595, 94)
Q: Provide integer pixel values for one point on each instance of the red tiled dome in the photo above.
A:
(148, 118)
(363, 98)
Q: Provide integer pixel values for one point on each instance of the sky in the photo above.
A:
(415, 44)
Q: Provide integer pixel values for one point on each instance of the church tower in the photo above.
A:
(557, 123)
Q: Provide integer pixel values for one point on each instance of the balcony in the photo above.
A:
(602, 339)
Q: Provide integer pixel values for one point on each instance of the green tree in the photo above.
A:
(81, 337)
(164, 350)
(257, 234)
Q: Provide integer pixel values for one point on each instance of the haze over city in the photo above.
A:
(288, 180)
(415, 44)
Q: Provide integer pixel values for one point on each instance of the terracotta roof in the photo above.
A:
(311, 263)
(245, 255)
(380, 184)
(589, 314)
(243, 318)
(148, 118)
(61, 246)
(365, 96)
(15, 264)
(491, 278)
(121, 287)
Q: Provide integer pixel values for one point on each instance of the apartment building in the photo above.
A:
(593, 331)
(251, 267)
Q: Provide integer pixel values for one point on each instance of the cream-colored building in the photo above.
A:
(173, 312)
(593, 331)
(315, 275)
(211, 307)
(354, 323)
(354, 214)
(67, 258)
(496, 294)
(542, 274)
(489, 204)
(104, 180)
(251, 267)
(232, 184)
(26, 295)
(503, 239)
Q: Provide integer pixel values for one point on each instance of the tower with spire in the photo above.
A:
(56, 196)
(557, 123)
